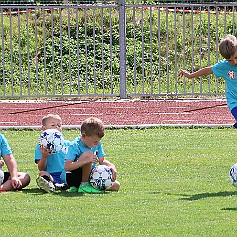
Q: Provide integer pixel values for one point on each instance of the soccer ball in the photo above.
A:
(52, 139)
(101, 177)
(233, 175)
(1, 176)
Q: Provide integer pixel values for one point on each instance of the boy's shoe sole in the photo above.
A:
(45, 185)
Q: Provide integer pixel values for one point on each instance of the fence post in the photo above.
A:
(122, 46)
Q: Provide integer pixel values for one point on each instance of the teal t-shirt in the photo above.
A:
(5, 149)
(55, 162)
(77, 148)
(229, 73)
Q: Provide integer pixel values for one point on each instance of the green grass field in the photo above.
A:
(174, 182)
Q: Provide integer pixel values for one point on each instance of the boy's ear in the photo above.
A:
(83, 135)
(43, 128)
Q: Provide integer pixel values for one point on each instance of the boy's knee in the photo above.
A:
(26, 180)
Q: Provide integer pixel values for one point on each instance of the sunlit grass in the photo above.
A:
(174, 182)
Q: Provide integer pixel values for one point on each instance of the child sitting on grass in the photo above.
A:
(50, 165)
(13, 180)
(84, 152)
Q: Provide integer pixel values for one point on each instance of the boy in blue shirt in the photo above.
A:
(84, 152)
(50, 165)
(226, 68)
(13, 180)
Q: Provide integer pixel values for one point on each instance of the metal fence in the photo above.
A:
(111, 50)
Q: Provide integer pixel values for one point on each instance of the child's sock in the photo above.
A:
(84, 183)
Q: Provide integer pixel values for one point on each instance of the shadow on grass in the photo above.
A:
(37, 191)
(229, 209)
(34, 191)
(207, 195)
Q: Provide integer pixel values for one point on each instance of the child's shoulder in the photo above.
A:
(1, 136)
(222, 64)
(76, 141)
(223, 61)
(67, 142)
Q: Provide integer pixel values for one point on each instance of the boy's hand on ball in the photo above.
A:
(95, 159)
(89, 157)
(45, 151)
(114, 174)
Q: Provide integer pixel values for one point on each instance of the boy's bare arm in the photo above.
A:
(11, 165)
(201, 72)
(43, 161)
(85, 158)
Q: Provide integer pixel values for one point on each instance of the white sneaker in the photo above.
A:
(47, 186)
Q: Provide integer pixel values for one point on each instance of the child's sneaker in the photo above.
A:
(62, 186)
(73, 189)
(88, 189)
(47, 186)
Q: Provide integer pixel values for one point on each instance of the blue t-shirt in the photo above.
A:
(77, 148)
(229, 72)
(55, 162)
(5, 149)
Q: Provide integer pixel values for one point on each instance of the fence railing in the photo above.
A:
(111, 50)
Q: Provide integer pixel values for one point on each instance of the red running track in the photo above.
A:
(118, 113)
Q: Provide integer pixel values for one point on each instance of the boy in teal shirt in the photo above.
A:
(13, 180)
(84, 152)
(226, 68)
(50, 165)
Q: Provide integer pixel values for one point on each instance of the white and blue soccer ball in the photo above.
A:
(233, 175)
(52, 139)
(1, 176)
(101, 177)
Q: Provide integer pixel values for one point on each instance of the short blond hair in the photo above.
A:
(93, 126)
(45, 118)
(228, 46)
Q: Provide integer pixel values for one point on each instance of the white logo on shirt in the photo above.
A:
(231, 75)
